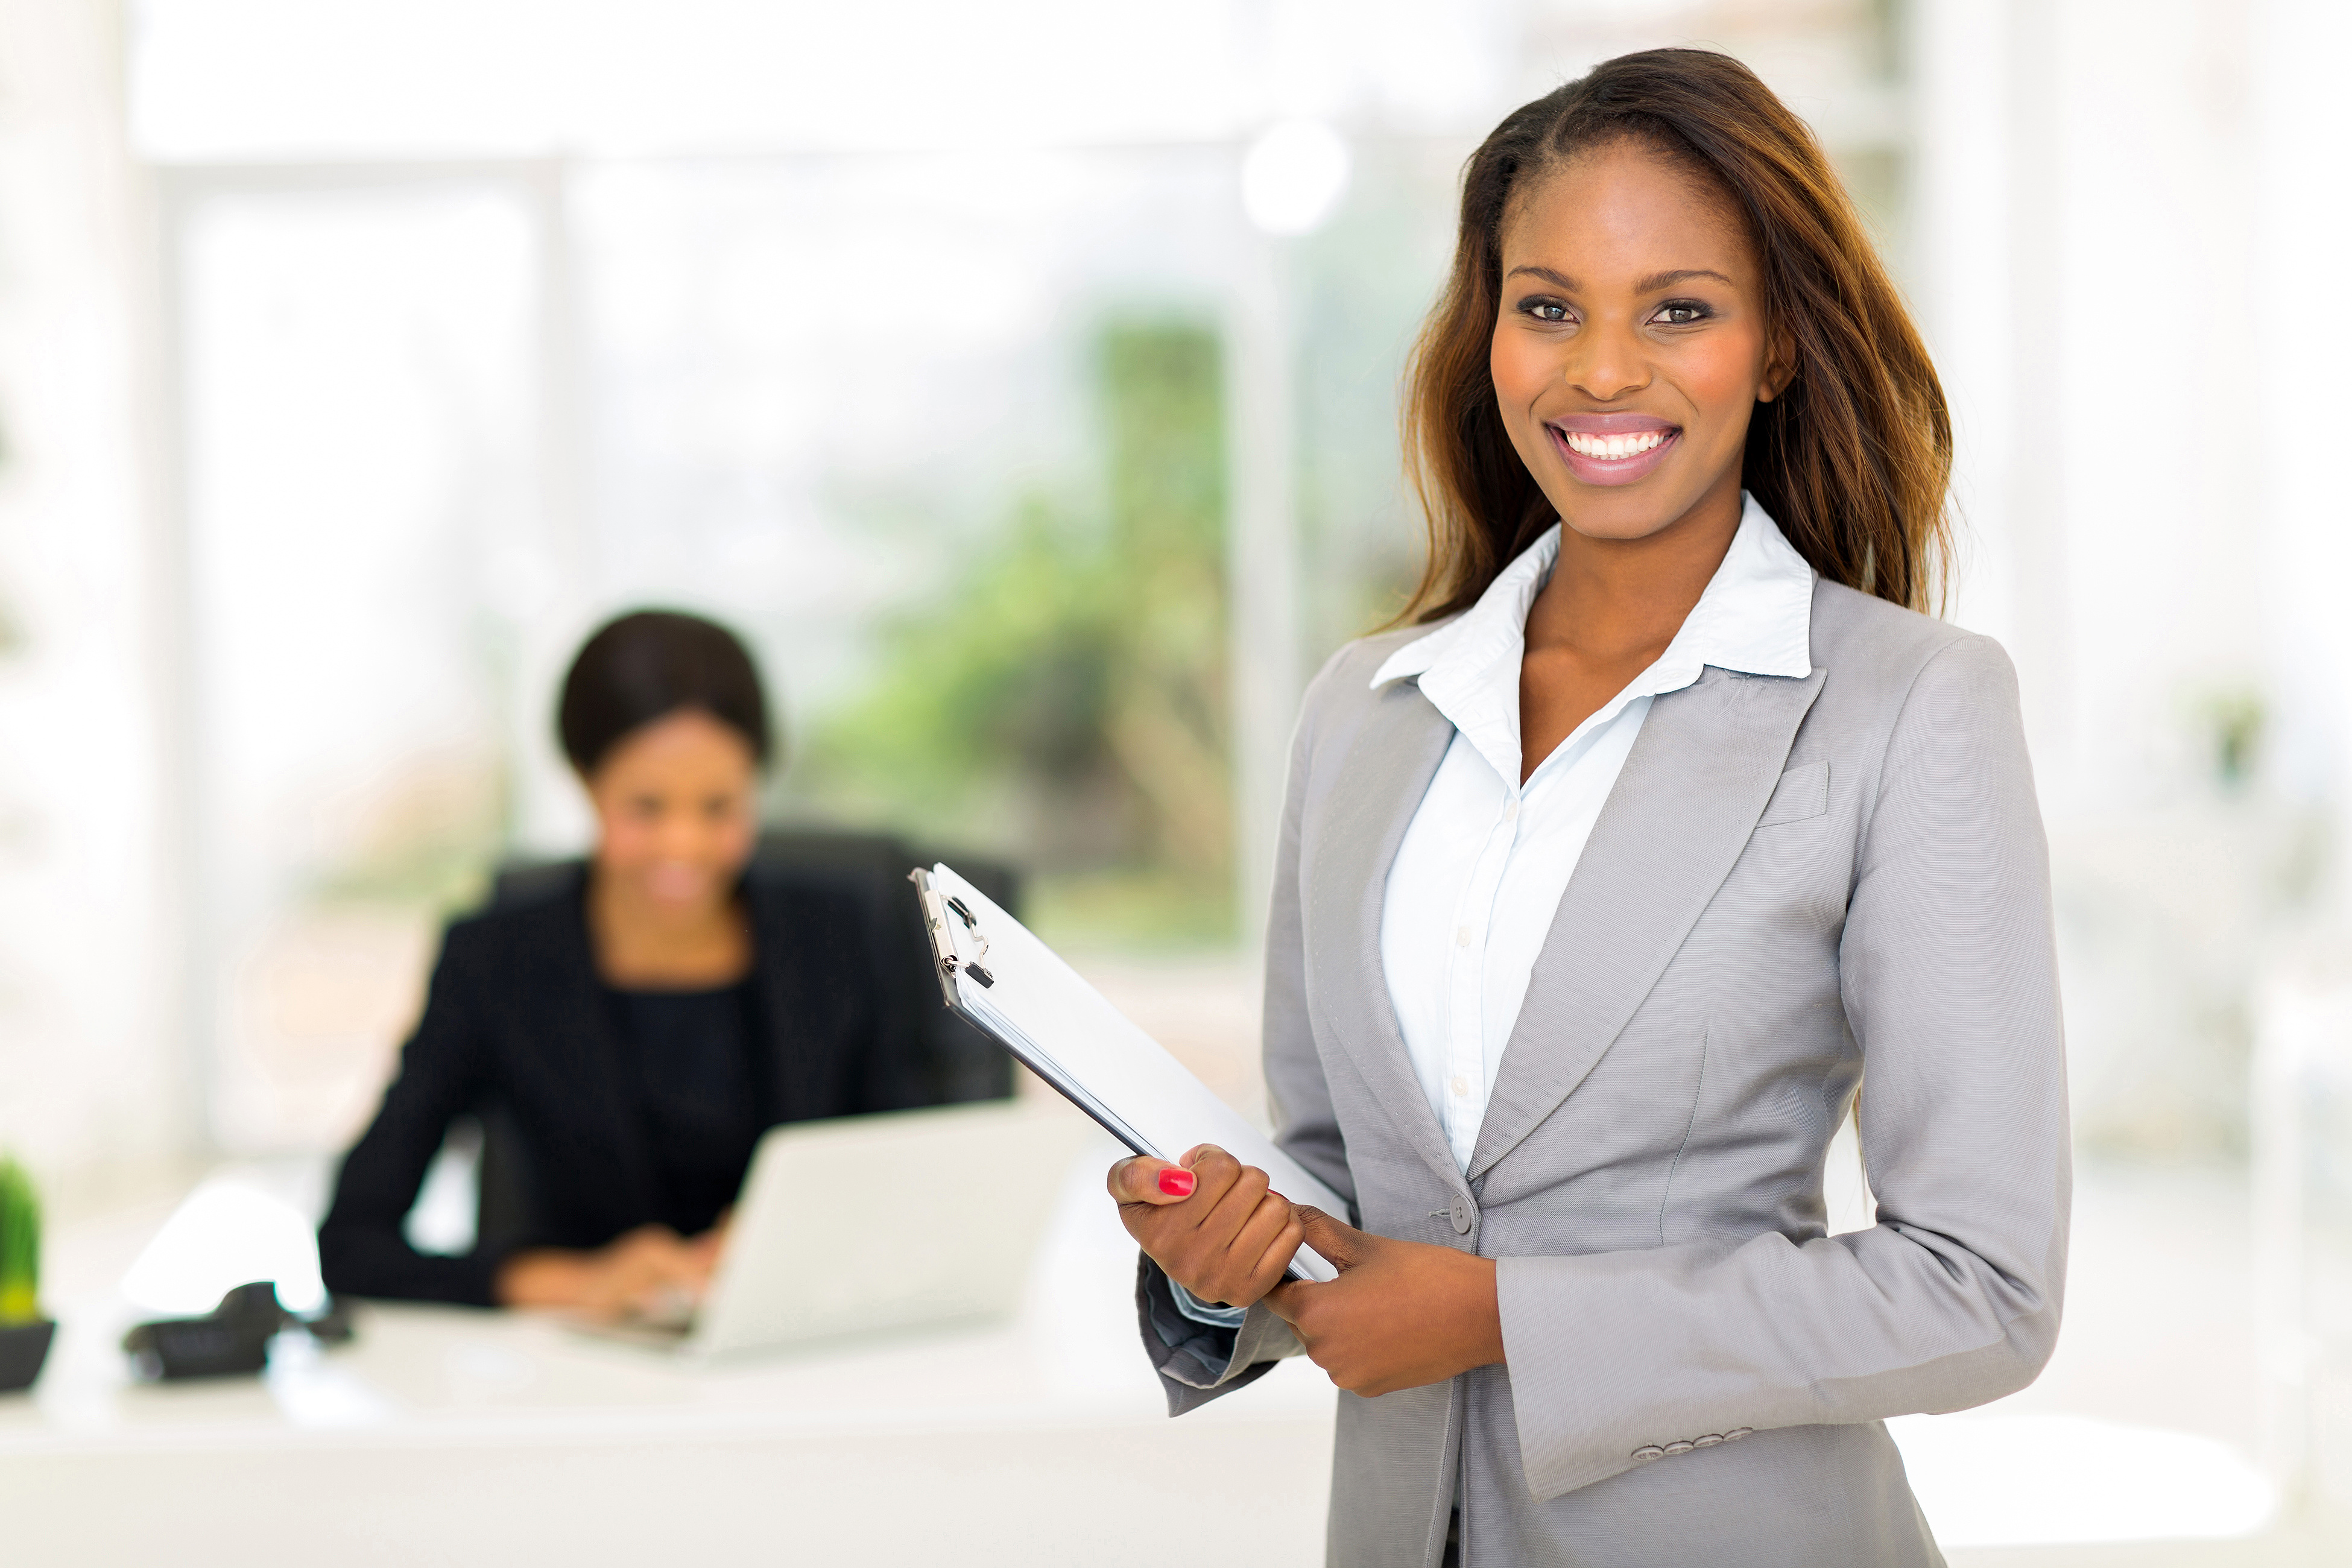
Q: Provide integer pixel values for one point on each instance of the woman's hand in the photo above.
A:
(650, 1273)
(1401, 1313)
(1210, 1221)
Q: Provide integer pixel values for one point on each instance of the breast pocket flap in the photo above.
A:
(1802, 792)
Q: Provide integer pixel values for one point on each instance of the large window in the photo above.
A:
(948, 438)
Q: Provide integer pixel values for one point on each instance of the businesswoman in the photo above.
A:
(637, 1026)
(1669, 824)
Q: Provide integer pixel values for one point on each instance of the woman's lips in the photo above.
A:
(1596, 468)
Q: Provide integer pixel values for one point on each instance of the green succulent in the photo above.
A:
(20, 1246)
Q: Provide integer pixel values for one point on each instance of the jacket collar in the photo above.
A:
(1755, 617)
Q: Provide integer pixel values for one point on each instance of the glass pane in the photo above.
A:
(915, 423)
(361, 464)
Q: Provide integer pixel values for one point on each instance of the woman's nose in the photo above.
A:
(1606, 366)
(681, 838)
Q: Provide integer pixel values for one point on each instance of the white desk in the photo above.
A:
(456, 1437)
(444, 1435)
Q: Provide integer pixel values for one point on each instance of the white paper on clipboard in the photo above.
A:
(1021, 993)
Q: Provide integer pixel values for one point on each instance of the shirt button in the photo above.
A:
(1511, 811)
(1461, 1086)
(1461, 936)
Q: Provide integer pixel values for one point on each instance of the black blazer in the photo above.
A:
(520, 1030)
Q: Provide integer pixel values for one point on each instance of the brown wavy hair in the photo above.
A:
(1853, 460)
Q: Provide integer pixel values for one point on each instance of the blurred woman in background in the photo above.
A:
(635, 1023)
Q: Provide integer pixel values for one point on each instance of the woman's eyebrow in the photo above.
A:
(1657, 281)
(1649, 285)
(1558, 279)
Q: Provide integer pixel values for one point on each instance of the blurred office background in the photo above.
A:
(1021, 380)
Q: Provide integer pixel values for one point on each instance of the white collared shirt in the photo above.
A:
(1472, 892)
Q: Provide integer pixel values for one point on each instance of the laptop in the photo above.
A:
(868, 1225)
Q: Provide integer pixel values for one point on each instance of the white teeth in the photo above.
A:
(1613, 447)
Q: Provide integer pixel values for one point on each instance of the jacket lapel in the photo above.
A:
(1379, 786)
(1679, 815)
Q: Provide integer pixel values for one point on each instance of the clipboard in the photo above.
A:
(996, 974)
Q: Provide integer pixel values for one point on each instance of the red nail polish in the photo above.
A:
(1175, 1182)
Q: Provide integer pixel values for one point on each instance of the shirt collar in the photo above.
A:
(1755, 616)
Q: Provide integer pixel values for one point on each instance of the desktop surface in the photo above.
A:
(452, 1436)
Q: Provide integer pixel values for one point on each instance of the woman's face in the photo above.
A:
(677, 811)
(1631, 345)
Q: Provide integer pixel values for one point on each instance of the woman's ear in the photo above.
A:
(1780, 367)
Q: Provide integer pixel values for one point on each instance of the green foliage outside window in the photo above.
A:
(1065, 701)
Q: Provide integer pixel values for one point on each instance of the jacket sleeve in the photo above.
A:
(362, 1250)
(1197, 1361)
(1949, 979)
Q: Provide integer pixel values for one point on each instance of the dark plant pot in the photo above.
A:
(23, 1347)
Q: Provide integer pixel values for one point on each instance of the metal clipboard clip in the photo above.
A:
(936, 910)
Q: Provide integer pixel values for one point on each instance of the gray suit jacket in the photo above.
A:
(1791, 879)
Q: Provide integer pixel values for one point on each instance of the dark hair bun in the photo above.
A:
(648, 664)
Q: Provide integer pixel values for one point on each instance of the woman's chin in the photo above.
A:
(1624, 515)
(1616, 524)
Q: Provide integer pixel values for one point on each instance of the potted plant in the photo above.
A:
(24, 1332)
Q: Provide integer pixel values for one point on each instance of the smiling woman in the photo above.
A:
(1602, 885)
(1848, 442)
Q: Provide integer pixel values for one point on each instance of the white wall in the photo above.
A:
(2084, 263)
(2297, 366)
(91, 1076)
(2115, 201)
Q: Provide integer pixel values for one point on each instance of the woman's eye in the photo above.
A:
(1681, 314)
(1545, 310)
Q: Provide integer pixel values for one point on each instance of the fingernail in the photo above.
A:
(1176, 1183)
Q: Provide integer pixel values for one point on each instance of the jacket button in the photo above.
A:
(1678, 1447)
(1736, 1433)
(1644, 1455)
(1460, 1213)
(1709, 1441)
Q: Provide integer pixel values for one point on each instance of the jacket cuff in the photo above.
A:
(1587, 1408)
(1198, 1361)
